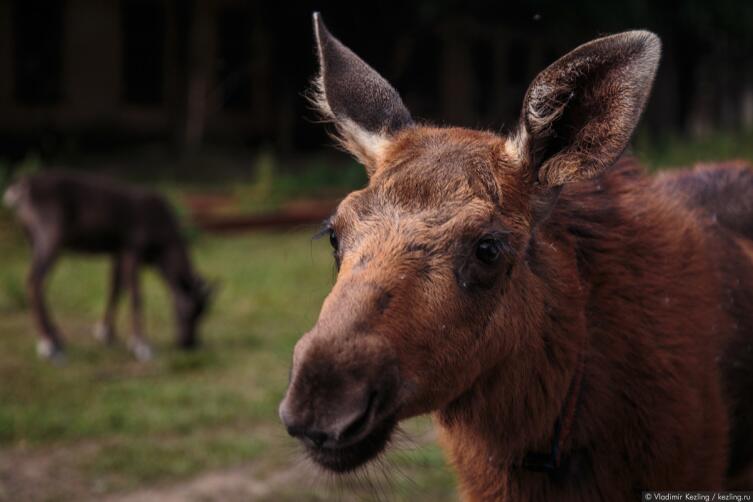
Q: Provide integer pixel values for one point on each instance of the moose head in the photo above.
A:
(434, 287)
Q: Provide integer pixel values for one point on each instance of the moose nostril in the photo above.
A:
(316, 437)
(362, 420)
(294, 431)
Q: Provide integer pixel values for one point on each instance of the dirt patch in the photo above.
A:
(30, 474)
(229, 485)
(299, 481)
(44, 474)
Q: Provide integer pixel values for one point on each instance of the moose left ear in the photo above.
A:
(579, 113)
(365, 108)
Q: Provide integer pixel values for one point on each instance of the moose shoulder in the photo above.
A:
(579, 330)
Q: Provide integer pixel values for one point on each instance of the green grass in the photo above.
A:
(672, 151)
(110, 424)
(129, 425)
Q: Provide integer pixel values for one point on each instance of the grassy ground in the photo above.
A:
(104, 424)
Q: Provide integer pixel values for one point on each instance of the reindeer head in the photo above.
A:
(192, 299)
(433, 285)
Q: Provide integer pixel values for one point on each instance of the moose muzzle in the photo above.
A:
(343, 396)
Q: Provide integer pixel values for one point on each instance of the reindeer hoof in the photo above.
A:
(50, 351)
(141, 351)
(104, 333)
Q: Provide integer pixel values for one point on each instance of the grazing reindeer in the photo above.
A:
(90, 214)
(580, 331)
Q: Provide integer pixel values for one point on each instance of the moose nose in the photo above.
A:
(338, 429)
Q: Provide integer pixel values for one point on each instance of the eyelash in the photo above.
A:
(325, 229)
(328, 228)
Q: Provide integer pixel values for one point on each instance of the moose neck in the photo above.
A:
(518, 401)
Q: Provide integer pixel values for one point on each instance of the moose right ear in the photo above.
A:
(364, 107)
(579, 113)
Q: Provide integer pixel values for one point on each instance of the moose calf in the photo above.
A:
(579, 330)
(65, 211)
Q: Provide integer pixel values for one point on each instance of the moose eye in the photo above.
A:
(488, 250)
(333, 240)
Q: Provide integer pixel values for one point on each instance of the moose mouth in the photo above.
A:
(350, 457)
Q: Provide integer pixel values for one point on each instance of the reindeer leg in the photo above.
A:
(104, 331)
(139, 346)
(50, 345)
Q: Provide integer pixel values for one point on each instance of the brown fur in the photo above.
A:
(629, 276)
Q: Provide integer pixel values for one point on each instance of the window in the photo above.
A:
(37, 50)
(143, 28)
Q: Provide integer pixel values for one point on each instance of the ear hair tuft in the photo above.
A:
(365, 108)
(580, 112)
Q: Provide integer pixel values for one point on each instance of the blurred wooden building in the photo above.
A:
(164, 69)
(77, 75)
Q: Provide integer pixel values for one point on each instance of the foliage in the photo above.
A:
(674, 151)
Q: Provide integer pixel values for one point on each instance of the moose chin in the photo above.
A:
(580, 330)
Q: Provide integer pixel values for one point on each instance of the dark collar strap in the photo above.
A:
(551, 461)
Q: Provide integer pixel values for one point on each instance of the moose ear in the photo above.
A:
(365, 108)
(579, 113)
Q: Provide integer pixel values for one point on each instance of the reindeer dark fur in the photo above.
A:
(66, 211)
